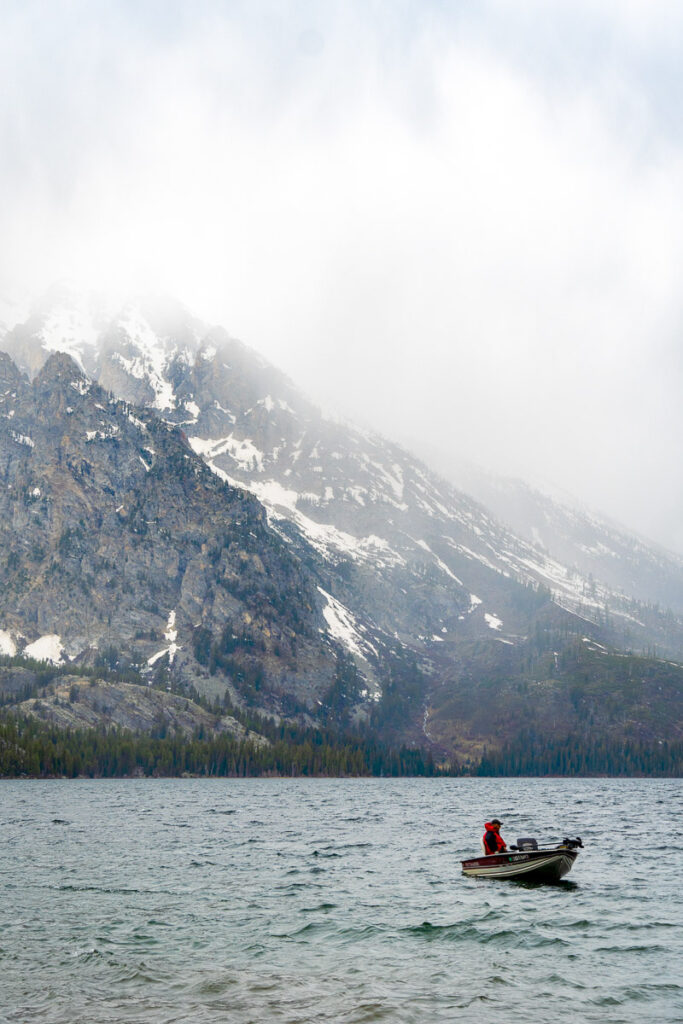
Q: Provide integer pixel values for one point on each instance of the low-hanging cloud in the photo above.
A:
(461, 227)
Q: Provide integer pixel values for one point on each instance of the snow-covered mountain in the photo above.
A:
(357, 499)
(404, 560)
(579, 537)
(115, 537)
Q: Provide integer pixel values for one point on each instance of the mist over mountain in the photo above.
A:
(584, 539)
(193, 512)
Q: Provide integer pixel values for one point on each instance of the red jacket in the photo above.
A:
(493, 841)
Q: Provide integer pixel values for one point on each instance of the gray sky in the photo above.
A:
(458, 223)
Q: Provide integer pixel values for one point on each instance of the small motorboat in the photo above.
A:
(526, 860)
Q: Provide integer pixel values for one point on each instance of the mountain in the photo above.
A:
(404, 595)
(591, 544)
(118, 543)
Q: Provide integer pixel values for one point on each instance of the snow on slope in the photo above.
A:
(351, 495)
(392, 494)
(71, 331)
(7, 644)
(46, 648)
(315, 477)
(150, 359)
(341, 624)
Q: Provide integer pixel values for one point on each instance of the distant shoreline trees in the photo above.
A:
(30, 748)
(579, 756)
(33, 749)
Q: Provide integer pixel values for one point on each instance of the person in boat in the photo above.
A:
(493, 841)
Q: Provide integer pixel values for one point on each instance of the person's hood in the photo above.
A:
(488, 826)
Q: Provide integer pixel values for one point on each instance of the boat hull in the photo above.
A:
(532, 866)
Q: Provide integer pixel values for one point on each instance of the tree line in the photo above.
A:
(33, 749)
(577, 755)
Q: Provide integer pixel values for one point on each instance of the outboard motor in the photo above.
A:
(527, 844)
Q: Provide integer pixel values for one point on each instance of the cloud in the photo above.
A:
(460, 224)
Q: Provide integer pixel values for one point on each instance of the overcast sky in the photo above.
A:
(459, 223)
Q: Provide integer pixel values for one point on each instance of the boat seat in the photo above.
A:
(527, 844)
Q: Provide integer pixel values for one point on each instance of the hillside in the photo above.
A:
(118, 543)
(210, 526)
(580, 690)
(596, 547)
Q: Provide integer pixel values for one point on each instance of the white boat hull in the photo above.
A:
(534, 865)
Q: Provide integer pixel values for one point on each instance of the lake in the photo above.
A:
(300, 900)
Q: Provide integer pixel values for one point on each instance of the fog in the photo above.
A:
(457, 223)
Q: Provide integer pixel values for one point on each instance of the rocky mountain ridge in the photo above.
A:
(578, 537)
(416, 587)
(115, 536)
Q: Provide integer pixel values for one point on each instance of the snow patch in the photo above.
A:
(136, 422)
(341, 624)
(7, 644)
(274, 494)
(23, 439)
(244, 451)
(441, 564)
(393, 478)
(170, 635)
(231, 416)
(151, 361)
(193, 410)
(492, 621)
(81, 385)
(356, 494)
(102, 435)
(70, 331)
(324, 537)
(46, 648)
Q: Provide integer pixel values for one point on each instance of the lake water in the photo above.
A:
(335, 900)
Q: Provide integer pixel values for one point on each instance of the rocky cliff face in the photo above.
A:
(71, 702)
(114, 534)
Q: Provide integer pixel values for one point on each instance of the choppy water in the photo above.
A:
(334, 900)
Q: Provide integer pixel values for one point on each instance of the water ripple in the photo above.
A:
(332, 901)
